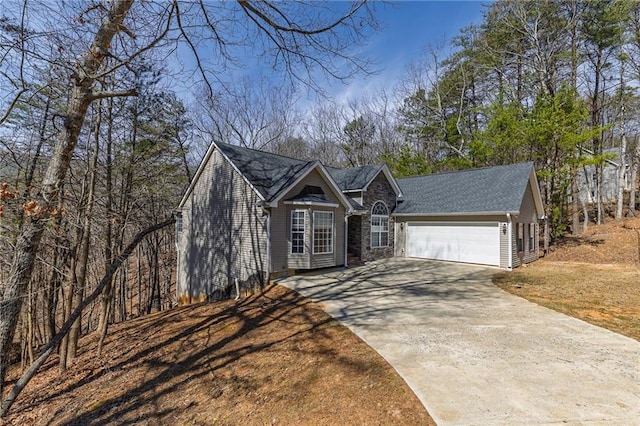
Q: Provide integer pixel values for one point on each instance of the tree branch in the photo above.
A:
(250, 9)
(66, 327)
(110, 94)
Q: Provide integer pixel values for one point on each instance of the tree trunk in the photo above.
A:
(33, 369)
(68, 305)
(25, 249)
(83, 256)
(621, 176)
(597, 140)
(575, 206)
(106, 297)
(53, 282)
(635, 162)
(623, 144)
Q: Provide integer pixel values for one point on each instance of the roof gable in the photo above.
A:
(489, 190)
(359, 178)
(354, 178)
(269, 173)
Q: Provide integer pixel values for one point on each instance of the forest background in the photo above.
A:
(95, 144)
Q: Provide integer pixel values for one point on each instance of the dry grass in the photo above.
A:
(604, 295)
(594, 277)
(276, 358)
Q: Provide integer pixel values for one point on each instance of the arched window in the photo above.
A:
(379, 225)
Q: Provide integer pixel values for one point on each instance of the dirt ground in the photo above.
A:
(594, 277)
(276, 358)
(614, 242)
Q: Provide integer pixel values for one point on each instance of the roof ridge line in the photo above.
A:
(466, 170)
(264, 152)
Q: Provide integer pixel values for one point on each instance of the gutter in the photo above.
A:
(346, 237)
(498, 213)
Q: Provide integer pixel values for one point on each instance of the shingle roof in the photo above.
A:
(354, 178)
(356, 205)
(271, 173)
(312, 194)
(492, 189)
(268, 173)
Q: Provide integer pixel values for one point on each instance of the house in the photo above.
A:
(487, 216)
(249, 216)
(610, 178)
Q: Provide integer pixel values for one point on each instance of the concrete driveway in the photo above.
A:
(476, 355)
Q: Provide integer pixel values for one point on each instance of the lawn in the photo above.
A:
(607, 295)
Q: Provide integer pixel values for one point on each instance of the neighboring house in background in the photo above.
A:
(610, 179)
(249, 215)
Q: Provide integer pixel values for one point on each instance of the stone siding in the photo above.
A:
(354, 240)
(379, 190)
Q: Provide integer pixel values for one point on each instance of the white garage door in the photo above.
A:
(459, 242)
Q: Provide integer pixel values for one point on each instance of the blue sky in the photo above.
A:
(408, 28)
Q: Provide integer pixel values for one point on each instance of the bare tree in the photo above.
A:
(248, 114)
(306, 41)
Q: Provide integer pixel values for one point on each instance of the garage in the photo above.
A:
(470, 242)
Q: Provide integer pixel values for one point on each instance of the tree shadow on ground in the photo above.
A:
(372, 292)
(207, 345)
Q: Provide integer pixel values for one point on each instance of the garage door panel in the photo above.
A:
(459, 242)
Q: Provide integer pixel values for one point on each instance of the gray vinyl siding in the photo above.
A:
(528, 255)
(504, 245)
(587, 186)
(281, 257)
(224, 235)
(527, 216)
(280, 235)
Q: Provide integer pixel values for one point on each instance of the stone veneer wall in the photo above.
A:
(378, 190)
(354, 241)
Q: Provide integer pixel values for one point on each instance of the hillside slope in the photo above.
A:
(276, 358)
(594, 277)
(615, 242)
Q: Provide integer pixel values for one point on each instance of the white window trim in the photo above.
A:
(532, 238)
(520, 248)
(304, 230)
(313, 233)
(371, 224)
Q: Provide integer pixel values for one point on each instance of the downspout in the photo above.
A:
(178, 215)
(346, 237)
(510, 242)
(268, 214)
(395, 239)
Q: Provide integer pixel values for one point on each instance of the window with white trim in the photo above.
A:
(532, 235)
(520, 236)
(322, 232)
(297, 231)
(379, 225)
